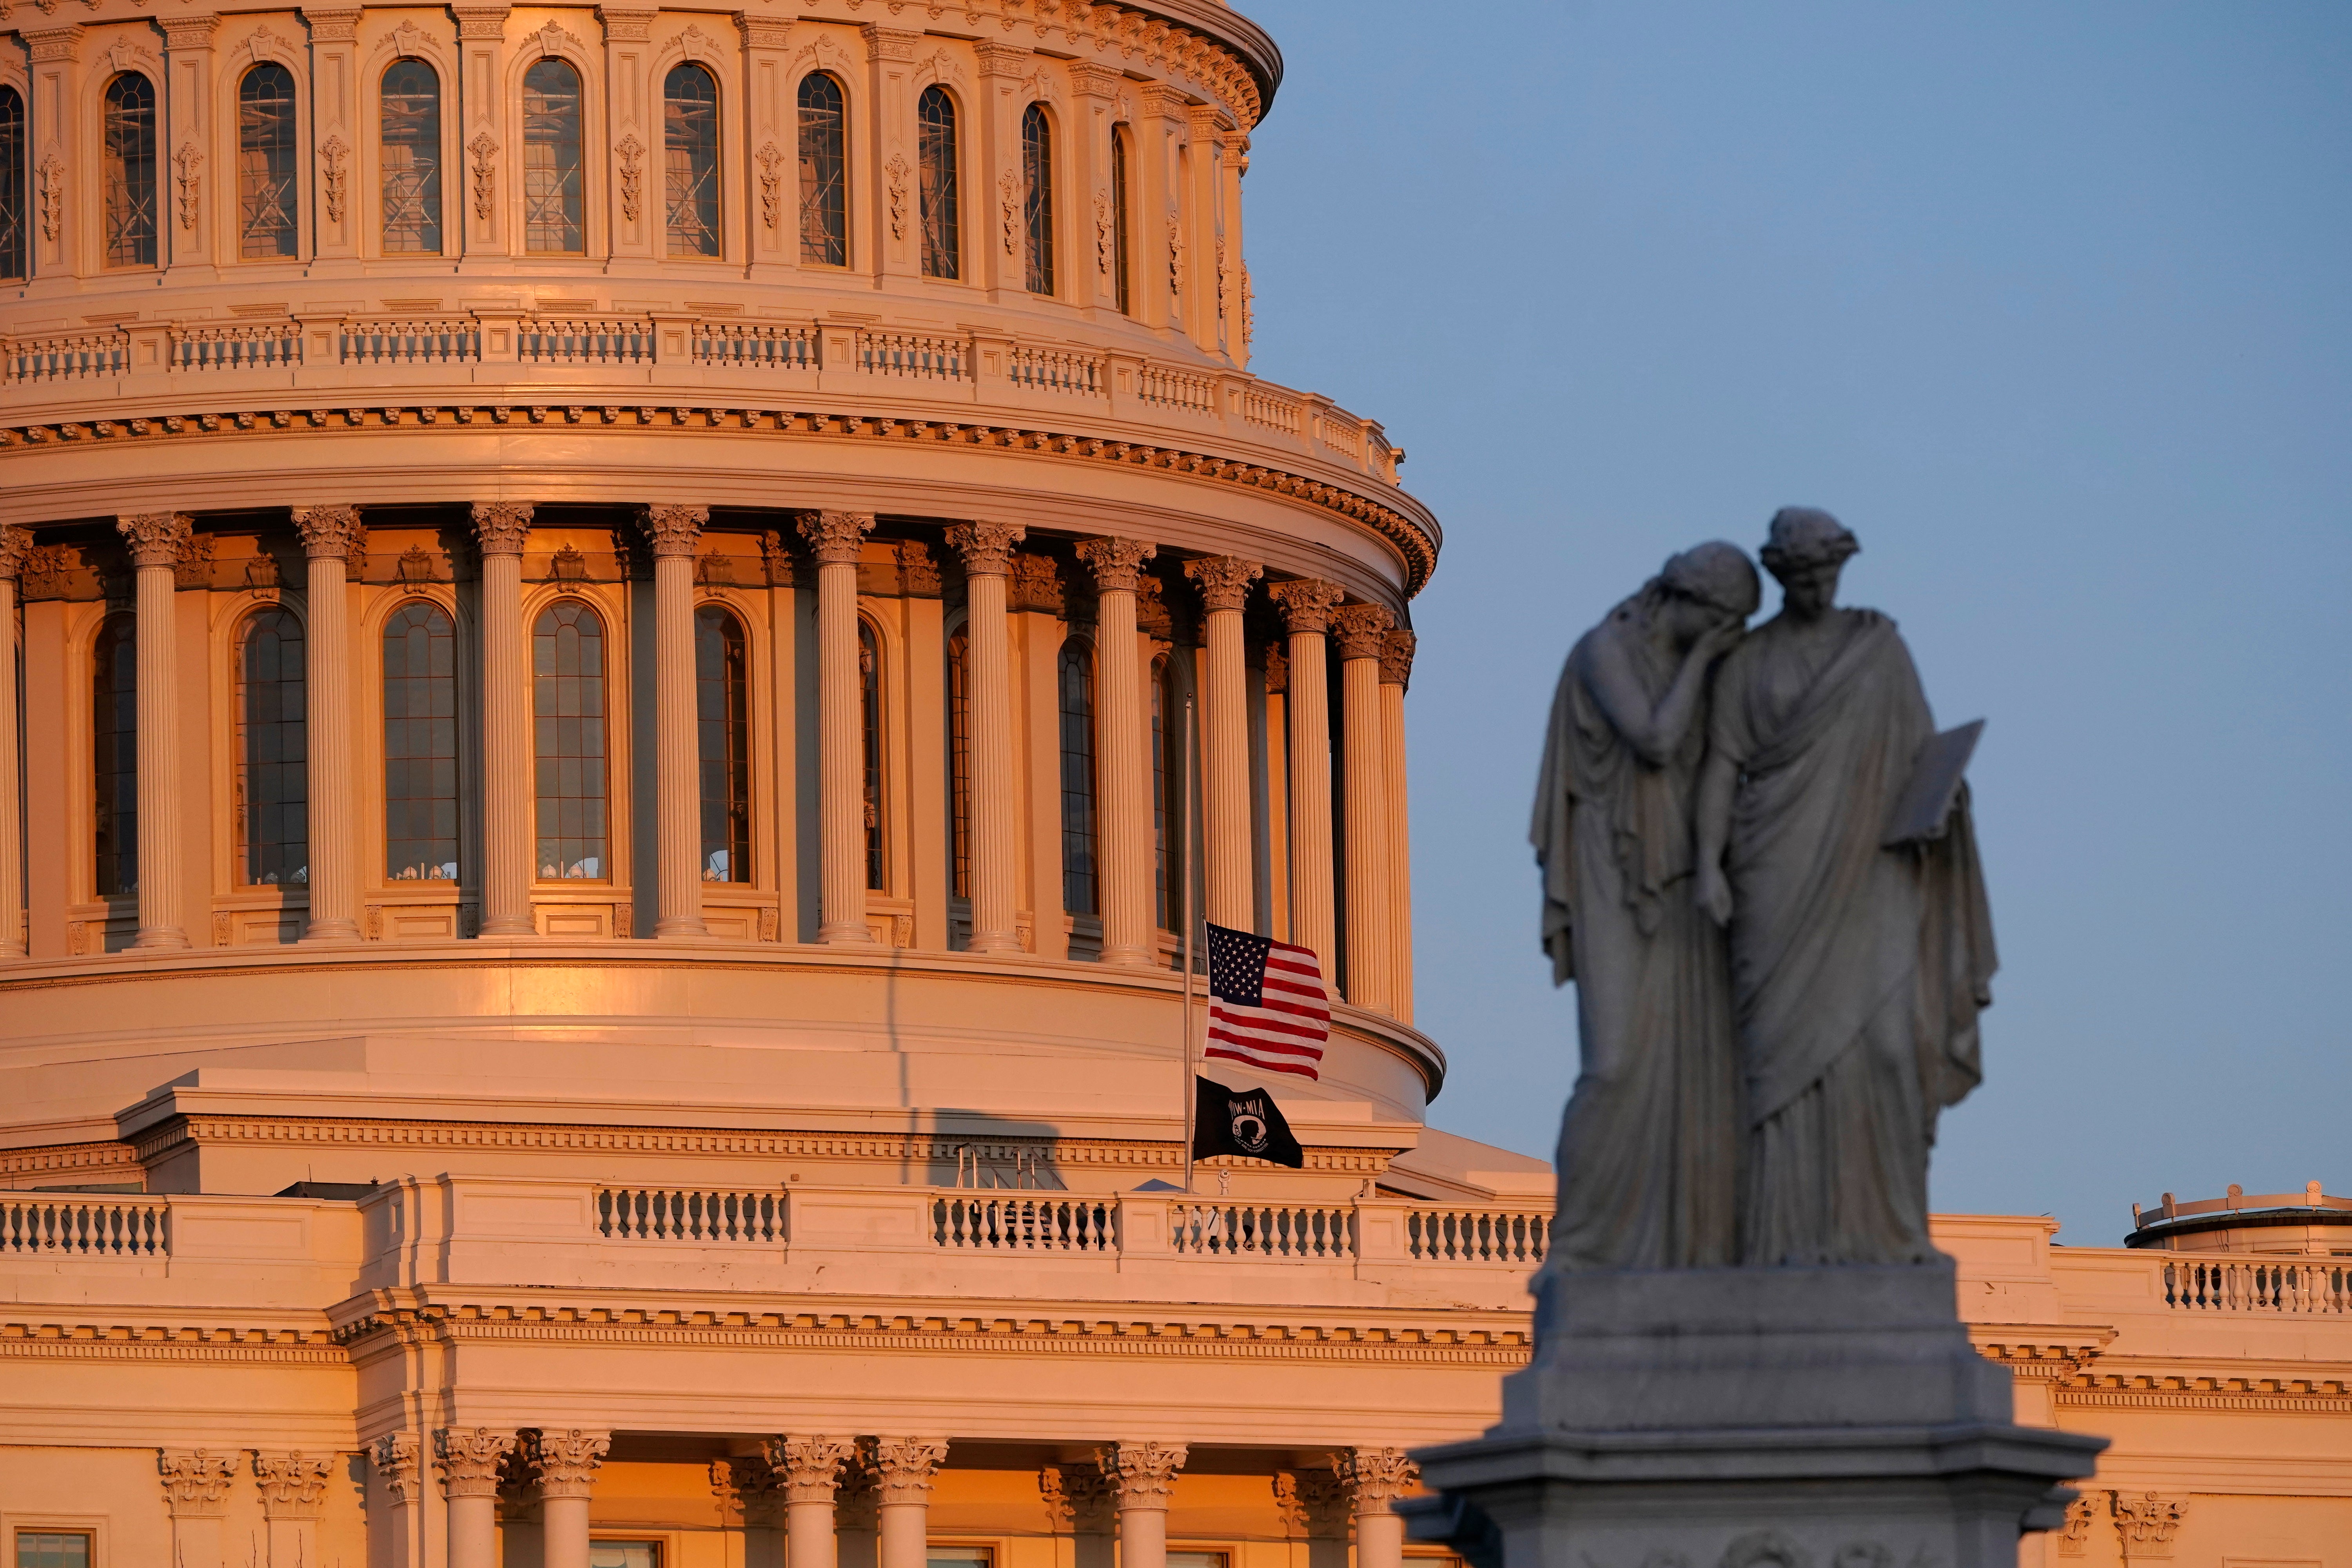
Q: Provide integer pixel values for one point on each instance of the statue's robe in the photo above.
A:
(1648, 1150)
(1857, 969)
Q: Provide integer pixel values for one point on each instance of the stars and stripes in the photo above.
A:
(1266, 1002)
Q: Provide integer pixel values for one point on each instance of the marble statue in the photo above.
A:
(1858, 965)
(1649, 1150)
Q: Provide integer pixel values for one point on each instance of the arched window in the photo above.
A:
(690, 135)
(722, 708)
(1167, 796)
(130, 170)
(420, 744)
(869, 687)
(1078, 830)
(1037, 202)
(409, 144)
(825, 172)
(567, 707)
(16, 248)
(114, 755)
(1120, 154)
(935, 118)
(267, 207)
(959, 764)
(273, 753)
(553, 203)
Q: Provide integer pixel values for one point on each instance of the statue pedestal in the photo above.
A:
(1724, 1419)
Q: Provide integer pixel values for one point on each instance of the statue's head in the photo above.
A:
(1716, 575)
(1805, 550)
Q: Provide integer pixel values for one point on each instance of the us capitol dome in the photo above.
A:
(613, 605)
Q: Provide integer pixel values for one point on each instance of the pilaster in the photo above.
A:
(487, 165)
(997, 208)
(634, 126)
(895, 232)
(62, 165)
(1095, 249)
(337, 205)
(196, 1484)
(185, 201)
(1160, 149)
(293, 1488)
(772, 201)
(398, 1459)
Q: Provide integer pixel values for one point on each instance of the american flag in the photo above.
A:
(1266, 1002)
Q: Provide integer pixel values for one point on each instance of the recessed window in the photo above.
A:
(130, 170)
(266, 208)
(959, 1557)
(1037, 201)
(16, 245)
(1120, 154)
(420, 744)
(115, 756)
(273, 752)
(1196, 1560)
(824, 171)
(1080, 894)
(1167, 801)
(870, 675)
(553, 203)
(722, 717)
(53, 1549)
(690, 179)
(935, 116)
(568, 737)
(960, 763)
(409, 150)
(625, 1554)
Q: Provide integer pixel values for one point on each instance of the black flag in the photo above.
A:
(1242, 1121)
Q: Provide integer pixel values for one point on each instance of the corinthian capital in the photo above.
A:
(1305, 603)
(332, 533)
(1115, 561)
(1142, 1474)
(292, 1485)
(195, 1480)
(396, 1457)
(674, 529)
(1361, 630)
(155, 538)
(833, 537)
(1374, 1478)
(1223, 580)
(903, 1466)
(1396, 658)
(501, 526)
(808, 1468)
(15, 543)
(565, 1461)
(986, 547)
(470, 1459)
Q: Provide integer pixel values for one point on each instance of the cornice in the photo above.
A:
(60, 1157)
(1415, 543)
(115, 1342)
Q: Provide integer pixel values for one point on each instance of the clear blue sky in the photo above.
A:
(2052, 305)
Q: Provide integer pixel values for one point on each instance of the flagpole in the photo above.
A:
(1182, 861)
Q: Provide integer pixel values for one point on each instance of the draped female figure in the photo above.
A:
(1858, 967)
(1648, 1148)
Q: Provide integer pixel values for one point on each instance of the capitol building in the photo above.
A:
(616, 612)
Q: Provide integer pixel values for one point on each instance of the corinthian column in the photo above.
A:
(1225, 588)
(14, 543)
(156, 538)
(809, 1468)
(1396, 674)
(903, 1469)
(469, 1462)
(835, 537)
(987, 551)
(1142, 1475)
(1126, 775)
(1372, 1479)
(676, 530)
(1305, 606)
(507, 796)
(1363, 631)
(565, 1463)
(331, 535)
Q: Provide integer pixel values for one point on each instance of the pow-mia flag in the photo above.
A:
(1242, 1121)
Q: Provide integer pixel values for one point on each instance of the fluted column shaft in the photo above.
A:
(836, 538)
(13, 544)
(1363, 632)
(987, 549)
(1224, 589)
(1396, 673)
(156, 540)
(331, 536)
(903, 1470)
(1307, 606)
(676, 532)
(509, 795)
(1125, 774)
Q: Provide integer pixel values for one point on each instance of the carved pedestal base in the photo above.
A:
(1725, 1418)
